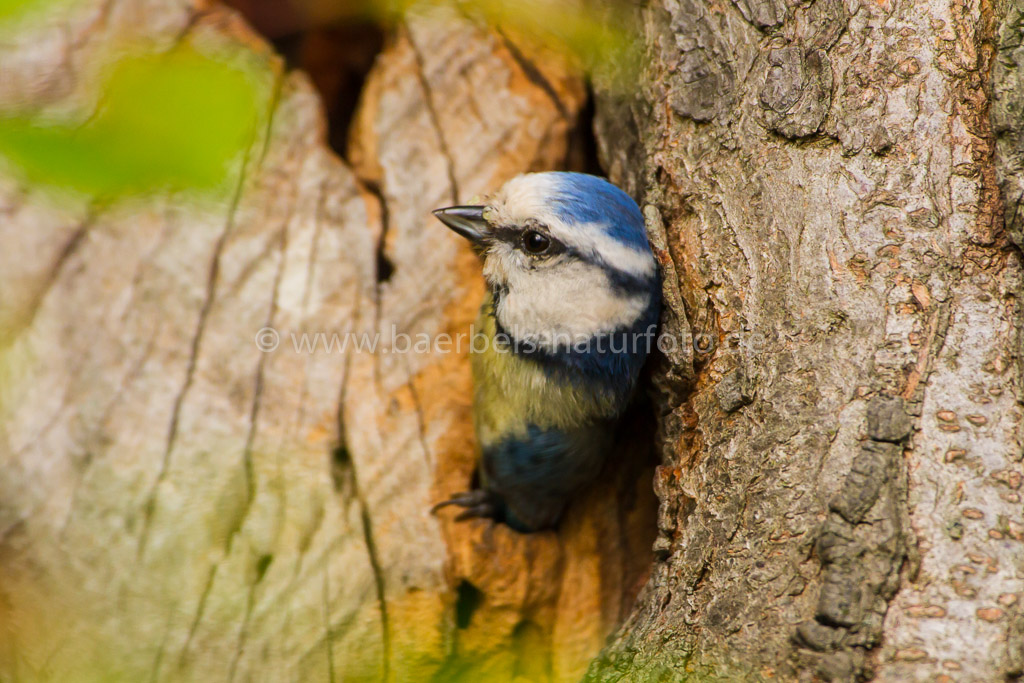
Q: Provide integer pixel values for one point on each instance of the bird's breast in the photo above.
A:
(514, 393)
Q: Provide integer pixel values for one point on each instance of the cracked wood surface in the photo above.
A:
(839, 183)
(177, 505)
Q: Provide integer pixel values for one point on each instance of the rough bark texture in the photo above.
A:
(839, 184)
(832, 188)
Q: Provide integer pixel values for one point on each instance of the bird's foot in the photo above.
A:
(476, 503)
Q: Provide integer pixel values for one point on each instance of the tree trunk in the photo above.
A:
(832, 190)
(839, 185)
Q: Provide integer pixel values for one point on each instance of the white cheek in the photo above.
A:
(503, 265)
(572, 301)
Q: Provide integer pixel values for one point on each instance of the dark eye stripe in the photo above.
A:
(621, 281)
(516, 236)
(630, 284)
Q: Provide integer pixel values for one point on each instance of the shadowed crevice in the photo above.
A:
(583, 155)
(385, 267)
(468, 599)
(336, 52)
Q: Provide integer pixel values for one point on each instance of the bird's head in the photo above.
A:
(565, 254)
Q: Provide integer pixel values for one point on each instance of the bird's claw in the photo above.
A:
(475, 503)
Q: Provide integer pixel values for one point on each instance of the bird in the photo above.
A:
(570, 314)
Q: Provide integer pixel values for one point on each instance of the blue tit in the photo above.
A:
(570, 315)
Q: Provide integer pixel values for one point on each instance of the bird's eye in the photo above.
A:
(535, 243)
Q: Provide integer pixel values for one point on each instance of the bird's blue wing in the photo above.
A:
(535, 474)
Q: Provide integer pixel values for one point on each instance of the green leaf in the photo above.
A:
(171, 121)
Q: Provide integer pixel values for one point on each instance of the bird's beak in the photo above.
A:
(468, 221)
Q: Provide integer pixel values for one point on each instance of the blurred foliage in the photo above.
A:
(600, 34)
(169, 121)
(15, 10)
(178, 120)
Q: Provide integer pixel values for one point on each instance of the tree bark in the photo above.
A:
(839, 185)
(832, 190)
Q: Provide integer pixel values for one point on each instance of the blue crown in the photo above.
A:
(580, 198)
